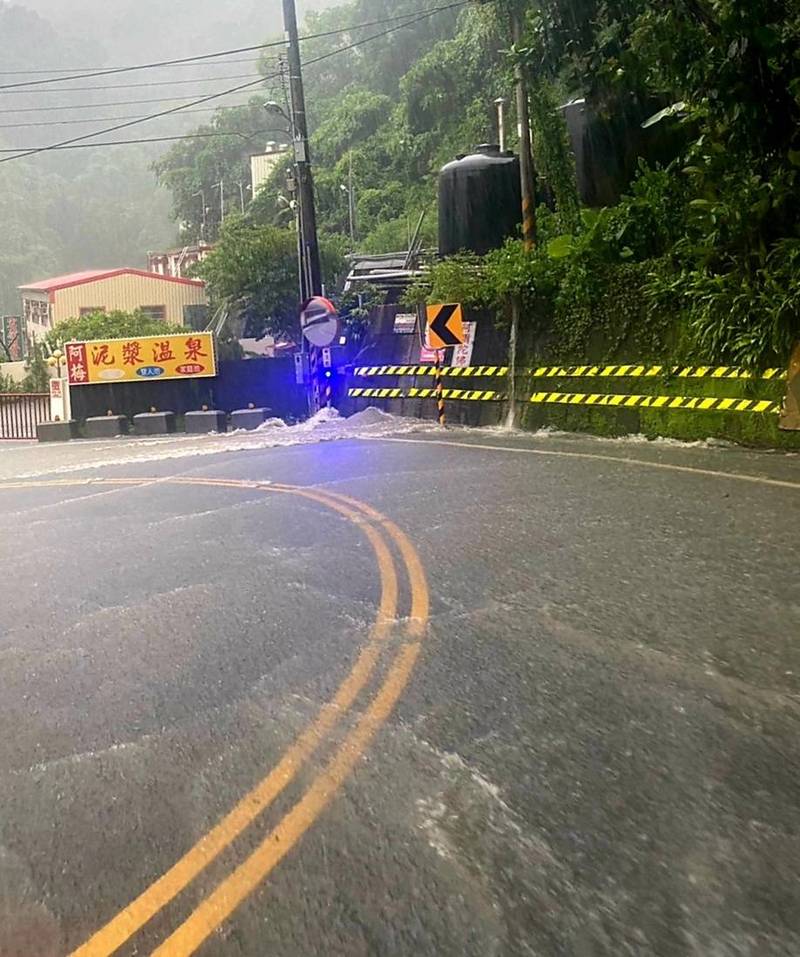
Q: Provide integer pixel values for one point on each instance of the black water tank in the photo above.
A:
(480, 203)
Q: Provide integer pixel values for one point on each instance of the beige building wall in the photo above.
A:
(16, 371)
(128, 292)
(262, 165)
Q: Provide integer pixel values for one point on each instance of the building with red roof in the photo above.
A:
(176, 301)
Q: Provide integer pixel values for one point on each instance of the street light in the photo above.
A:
(54, 360)
(221, 187)
(203, 223)
(351, 203)
(272, 107)
(244, 187)
(350, 213)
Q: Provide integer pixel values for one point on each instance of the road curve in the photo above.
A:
(480, 694)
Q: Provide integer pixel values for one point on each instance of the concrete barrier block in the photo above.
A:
(207, 421)
(106, 426)
(57, 431)
(154, 423)
(248, 418)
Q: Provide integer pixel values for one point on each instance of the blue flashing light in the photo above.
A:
(328, 373)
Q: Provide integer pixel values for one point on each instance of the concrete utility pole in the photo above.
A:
(527, 169)
(528, 182)
(305, 181)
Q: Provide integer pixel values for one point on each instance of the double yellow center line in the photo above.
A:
(383, 536)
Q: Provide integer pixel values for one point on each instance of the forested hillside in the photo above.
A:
(700, 257)
(394, 107)
(67, 210)
(98, 207)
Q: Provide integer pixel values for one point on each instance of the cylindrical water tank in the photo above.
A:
(480, 201)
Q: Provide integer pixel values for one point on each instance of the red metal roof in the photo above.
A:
(94, 275)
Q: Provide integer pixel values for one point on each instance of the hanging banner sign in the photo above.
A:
(462, 355)
(190, 355)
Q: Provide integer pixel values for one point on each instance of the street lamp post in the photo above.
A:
(244, 187)
(59, 388)
(221, 187)
(203, 221)
(351, 204)
(54, 360)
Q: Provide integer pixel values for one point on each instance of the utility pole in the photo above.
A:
(351, 204)
(528, 183)
(351, 207)
(203, 220)
(527, 169)
(305, 181)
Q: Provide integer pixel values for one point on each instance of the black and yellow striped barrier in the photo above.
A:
(651, 372)
(693, 403)
(467, 395)
(576, 372)
(666, 402)
(466, 372)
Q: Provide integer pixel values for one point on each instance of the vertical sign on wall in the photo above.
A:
(462, 354)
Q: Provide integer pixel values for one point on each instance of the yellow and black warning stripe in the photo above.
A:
(651, 371)
(376, 393)
(467, 395)
(450, 371)
(695, 403)
(665, 402)
(578, 372)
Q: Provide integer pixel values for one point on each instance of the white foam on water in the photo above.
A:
(326, 426)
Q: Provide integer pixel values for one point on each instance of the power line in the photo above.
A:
(212, 56)
(159, 139)
(122, 126)
(115, 119)
(133, 86)
(177, 109)
(100, 106)
(141, 66)
(50, 73)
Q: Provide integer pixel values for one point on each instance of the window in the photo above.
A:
(154, 312)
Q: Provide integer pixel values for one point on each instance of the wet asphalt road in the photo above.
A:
(596, 752)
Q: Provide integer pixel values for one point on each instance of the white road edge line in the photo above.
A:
(613, 459)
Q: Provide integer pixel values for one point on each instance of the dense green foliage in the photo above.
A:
(393, 113)
(104, 325)
(699, 257)
(253, 272)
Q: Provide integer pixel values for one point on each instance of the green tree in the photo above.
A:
(252, 272)
(105, 325)
(37, 372)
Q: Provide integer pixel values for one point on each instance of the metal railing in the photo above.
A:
(21, 412)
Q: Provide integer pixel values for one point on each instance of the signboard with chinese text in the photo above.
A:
(189, 355)
(12, 335)
(462, 355)
(427, 355)
(405, 323)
